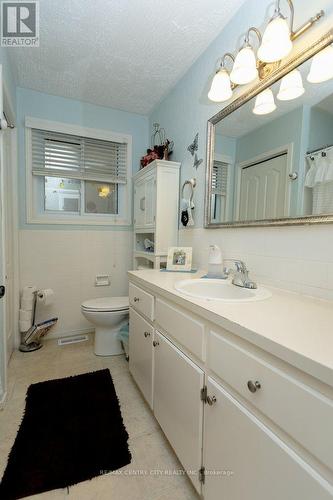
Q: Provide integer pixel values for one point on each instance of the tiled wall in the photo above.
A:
(67, 261)
(297, 259)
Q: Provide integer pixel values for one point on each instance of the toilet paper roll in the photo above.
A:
(24, 326)
(27, 304)
(45, 297)
(28, 292)
(25, 315)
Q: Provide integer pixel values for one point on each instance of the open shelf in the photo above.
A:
(140, 240)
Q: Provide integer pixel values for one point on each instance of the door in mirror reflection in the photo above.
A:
(263, 192)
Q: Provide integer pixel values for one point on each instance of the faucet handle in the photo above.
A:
(240, 266)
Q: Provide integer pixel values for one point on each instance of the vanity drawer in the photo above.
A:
(141, 301)
(304, 413)
(181, 326)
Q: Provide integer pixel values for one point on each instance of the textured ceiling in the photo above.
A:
(126, 54)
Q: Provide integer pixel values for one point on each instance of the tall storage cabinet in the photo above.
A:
(156, 212)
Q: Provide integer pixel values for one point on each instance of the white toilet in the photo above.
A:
(107, 315)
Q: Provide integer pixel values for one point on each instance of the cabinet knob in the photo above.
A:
(253, 386)
(136, 299)
(147, 334)
(155, 343)
(211, 400)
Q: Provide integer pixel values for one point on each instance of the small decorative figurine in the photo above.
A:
(192, 149)
(197, 162)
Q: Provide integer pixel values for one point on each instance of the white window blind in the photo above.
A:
(219, 178)
(62, 155)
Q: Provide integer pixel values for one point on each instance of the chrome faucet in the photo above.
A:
(240, 275)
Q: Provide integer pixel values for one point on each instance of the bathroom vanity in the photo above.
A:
(242, 390)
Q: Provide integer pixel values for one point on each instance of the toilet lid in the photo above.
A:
(107, 304)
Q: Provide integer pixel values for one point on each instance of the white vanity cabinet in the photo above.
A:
(245, 460)
(177, 405)
(141, 354)
(156, 212)
(248, 425)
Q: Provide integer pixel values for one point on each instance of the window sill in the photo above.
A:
(79, 221)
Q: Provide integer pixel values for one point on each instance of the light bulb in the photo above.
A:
(276, 43)
(321, 68)
(291, 86)
(264, 103)
(220, 89)
(244, 69)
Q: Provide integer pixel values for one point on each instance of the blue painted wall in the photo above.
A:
(8, 77)
(53, 108)
(321, 129)
(225, 145)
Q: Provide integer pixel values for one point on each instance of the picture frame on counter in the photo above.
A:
(179, 259)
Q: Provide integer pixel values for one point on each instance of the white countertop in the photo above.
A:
(296, 328)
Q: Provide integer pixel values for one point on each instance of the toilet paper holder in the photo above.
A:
(31, 339)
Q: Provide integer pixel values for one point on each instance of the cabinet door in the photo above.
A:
(261, 466)
(177, 404)
(140, 353)
(150, 201)
(139, 204)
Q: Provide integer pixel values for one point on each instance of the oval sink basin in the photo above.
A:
(218, 289)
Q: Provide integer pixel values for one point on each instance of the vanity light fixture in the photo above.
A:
(220, 89)
(275, 44)
(245, 66)
(321, 68)
(291, 86)
(278, 35)
(264, 103)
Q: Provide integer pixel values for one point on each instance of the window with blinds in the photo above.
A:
(219, 178)
(73, 157)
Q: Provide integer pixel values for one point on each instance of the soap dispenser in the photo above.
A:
(215, 263)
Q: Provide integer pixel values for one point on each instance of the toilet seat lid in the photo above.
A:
(107, 304)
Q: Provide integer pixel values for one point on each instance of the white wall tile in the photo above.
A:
(68, 262)
(299, 259)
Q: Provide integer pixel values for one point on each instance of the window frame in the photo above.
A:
(123, 218)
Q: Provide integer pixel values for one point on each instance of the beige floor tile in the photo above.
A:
(150, 450)
(50, 495)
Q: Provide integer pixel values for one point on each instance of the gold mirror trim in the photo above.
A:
(276, 75)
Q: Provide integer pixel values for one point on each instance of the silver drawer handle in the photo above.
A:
(155, 343)
(147, 334)
(253, 386)
(211, 400)
(136, 299)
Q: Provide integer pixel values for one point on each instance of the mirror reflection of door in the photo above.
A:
(263, 189)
